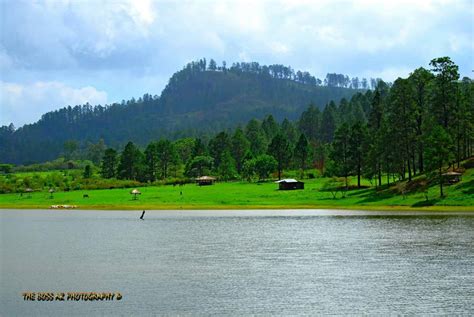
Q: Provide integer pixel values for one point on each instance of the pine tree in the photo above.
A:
(240, 147)
(309, 123)
(166, 155)
(151, 161)
(328, 123)
(301, 153)
(279, 148)
(438, 152)
(130, 164)
(357, 148)
(109, 163)
(340, 152)
(227, 168)
(420, 80)
(256, 136)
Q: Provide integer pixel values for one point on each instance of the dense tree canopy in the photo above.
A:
(420, 124)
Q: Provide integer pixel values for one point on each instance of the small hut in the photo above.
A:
(452, 177)
(51, 191)
(205, 180)
(28, 191)
(290, 184)
(135, 192)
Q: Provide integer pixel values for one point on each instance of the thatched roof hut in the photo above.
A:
(205, 180)
(135, 192)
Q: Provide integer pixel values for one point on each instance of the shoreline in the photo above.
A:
(382, 208)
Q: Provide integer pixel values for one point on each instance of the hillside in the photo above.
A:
(197, 101)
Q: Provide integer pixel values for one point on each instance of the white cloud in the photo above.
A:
(20, 103)
(123, 43)
(279, 48)
(388, 73)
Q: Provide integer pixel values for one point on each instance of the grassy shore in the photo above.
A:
(242, 195)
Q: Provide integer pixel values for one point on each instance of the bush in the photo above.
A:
(335, 185)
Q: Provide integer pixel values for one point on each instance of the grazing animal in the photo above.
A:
(143, 214)
(85, 196)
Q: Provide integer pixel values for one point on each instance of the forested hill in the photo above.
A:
(198, 100)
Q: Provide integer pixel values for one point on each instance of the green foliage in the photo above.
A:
(199, 166)
(109, 164)
(226, 195)
(358, 139)
(335, 185)
(444, 96)
(256, 137)
(6, 168)
(87, 172)
(301, 153)
(131, 163)
(264, 165)
(198, 101)
(184, 148)
(227, 170)
(438, 151)
(240, 148)
(218, 146)
(279, 148)
(167, 156)
(95, 152)
(340, 152)
(390, 133)
(310, 122)
(328, 123)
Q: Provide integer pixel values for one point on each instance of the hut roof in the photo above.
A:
(51, 190)
(287, 180)
(452, 174)
(28, 190)
(206, 178)
(135, 192)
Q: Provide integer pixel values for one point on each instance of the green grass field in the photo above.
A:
(243, 195)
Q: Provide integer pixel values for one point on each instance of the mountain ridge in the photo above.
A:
(198, 100)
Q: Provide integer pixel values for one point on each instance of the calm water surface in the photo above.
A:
(302, 262)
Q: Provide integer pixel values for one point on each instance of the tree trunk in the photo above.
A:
(409, 170)
(440, 183)
(358, 176)
(379, 174)
(458, 154)
(420, 159)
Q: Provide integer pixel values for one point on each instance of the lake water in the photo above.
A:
(291, 262)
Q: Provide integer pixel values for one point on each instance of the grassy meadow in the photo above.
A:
(244, 195)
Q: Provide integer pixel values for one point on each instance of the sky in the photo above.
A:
(56, 53)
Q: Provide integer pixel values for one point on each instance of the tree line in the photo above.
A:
(279, 71)
(416, 125)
